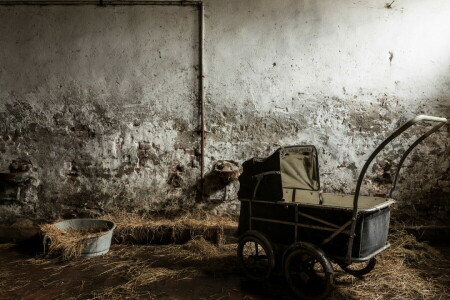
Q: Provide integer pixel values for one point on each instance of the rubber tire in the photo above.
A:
(326, 266)
(261, 239)
(360, 272)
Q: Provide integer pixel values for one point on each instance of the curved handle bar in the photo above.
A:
(396, 133)
(419, 118)
(413, 145)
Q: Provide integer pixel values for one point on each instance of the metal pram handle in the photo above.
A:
(441, 122)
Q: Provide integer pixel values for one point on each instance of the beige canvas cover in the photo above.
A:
(298, 169)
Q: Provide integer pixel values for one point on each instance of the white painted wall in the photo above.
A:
(318, 72)
(277, 73)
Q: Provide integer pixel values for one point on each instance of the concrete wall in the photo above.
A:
(102, 101)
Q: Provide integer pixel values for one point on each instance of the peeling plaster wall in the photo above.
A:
(319, 72)
(103, 101)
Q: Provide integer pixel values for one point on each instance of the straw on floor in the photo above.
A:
(408, 270)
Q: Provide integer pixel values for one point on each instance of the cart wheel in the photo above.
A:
(309, 273)
(359, 269)
(256, 256)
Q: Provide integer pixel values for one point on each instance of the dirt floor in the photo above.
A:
(200, 270)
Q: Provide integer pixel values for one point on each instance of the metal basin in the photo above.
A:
(93, 246)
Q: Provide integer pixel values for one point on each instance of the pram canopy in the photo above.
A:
(292, 167)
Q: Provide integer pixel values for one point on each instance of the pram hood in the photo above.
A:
(294, 167)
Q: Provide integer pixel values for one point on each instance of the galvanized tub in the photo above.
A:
(93, 246)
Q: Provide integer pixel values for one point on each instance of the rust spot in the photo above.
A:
(228, 170)
(176, 178)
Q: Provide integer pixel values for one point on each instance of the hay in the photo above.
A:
(132, 265)
(197, 249)
(408, 270)
(201, 249)
(206, 257)
(64, 243)
(138, 278)
(139, 274)
(406, 246)
(4, 275)
(147, 276)
(139, 229)
(186, 262)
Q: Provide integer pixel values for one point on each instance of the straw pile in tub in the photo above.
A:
(66, 244)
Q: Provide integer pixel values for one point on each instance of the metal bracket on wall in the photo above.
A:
(201, 76)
